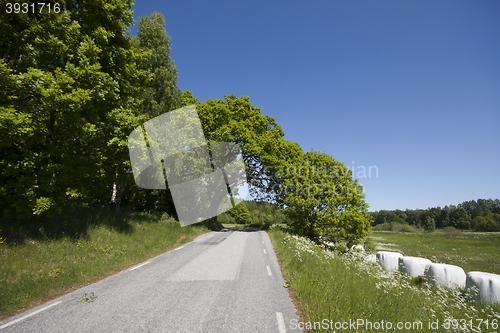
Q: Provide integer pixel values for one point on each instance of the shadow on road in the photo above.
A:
(244, 229)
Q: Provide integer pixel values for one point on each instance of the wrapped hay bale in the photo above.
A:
(389, 260)
(488, 286)
(413, 266)
(446, 275)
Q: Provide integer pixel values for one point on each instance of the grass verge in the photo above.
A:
(334, 289)
(35, 271)
(473, 251)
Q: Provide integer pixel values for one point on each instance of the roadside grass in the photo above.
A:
(36, 270)
(473, 251)
(334, 288)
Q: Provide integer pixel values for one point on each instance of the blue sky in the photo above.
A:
(409, 88)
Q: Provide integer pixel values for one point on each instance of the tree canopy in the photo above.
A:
(259, 137)
(322, 199)
(161, 93)
(74, 84)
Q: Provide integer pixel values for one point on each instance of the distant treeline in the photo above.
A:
(480, 215)
(253, 212)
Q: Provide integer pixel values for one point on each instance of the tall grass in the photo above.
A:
(33, 270)
(334, 288)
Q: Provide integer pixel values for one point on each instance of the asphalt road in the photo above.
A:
(227, 281)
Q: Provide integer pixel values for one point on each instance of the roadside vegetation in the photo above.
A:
(42, 265)
(342, 287)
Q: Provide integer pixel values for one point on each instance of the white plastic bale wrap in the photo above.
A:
(358, 247)
(488, 285)
(413, 266)
(446, 275)
(389, 260)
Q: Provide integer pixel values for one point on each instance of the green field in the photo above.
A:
(473, 251)
(341, 288)
(37, 270)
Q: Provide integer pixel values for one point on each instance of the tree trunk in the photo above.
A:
(121, 188)
(311, 230)
(116, 196)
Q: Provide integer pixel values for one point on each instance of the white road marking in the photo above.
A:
(264, 251)
(147, 262)
(180, 247)
(31, 314)
(281, 322)
(269, 271)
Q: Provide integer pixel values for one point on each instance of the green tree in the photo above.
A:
(161, 94)
(73, 87)
(490, 222)
(380, 217)
(460, 219)
(258, 216)
(444, 218)
(397, 218)
(322, 199)
(241, 214)
(265, 212)
(434, 212)
(226, 218)
(411, 217)
(401, 214)
(260, 138)
(429, 223)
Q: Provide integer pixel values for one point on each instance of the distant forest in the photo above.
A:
(253, 212)
(480, 215)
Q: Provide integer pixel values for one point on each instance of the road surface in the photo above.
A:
(226, 281)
